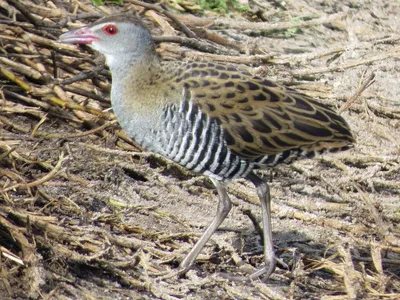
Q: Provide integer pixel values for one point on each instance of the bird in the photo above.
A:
(214, 119)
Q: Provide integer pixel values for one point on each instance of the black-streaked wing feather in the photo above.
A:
(262, 118)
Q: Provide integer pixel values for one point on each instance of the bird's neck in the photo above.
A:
(133, 62)
(133, 101)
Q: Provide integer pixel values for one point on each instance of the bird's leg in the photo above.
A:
(265, 199)
(224, 207)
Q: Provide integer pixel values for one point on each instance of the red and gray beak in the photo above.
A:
(78, 36)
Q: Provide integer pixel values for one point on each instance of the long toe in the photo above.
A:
(264, 271)
(183, 268)
(179, 272)
(268, 268)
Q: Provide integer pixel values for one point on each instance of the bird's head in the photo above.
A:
(115, 36)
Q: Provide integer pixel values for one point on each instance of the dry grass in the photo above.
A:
(85, 215)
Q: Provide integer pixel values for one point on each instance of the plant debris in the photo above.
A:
(85, 214)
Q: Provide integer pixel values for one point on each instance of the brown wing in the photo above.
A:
(262, 118)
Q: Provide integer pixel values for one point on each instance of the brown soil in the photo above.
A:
(85, 215)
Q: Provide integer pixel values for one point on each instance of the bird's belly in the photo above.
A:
(197, 143)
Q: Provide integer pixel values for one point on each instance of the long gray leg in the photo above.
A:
(224, 207)
(265, 199)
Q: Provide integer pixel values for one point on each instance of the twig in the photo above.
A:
(44, 93)
(267, 27)
(25, 12)
(350, 275)
(11, 256)
(74, 106)
(366, 84)
(352, 64)
(159, 9)
(109, 151)
(190, 42)
(87, 94)
(14, 78)
(81, 134)
(40, 181)
(21, 68)
(83, 75)
(237, 59)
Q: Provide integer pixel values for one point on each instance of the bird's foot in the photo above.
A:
(180, 271)
(268, 268)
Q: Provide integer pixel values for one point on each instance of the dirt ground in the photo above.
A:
(85, 215)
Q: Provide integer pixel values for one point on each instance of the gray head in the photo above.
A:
(119, 37)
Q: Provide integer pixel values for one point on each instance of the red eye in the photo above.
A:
(110, 29)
